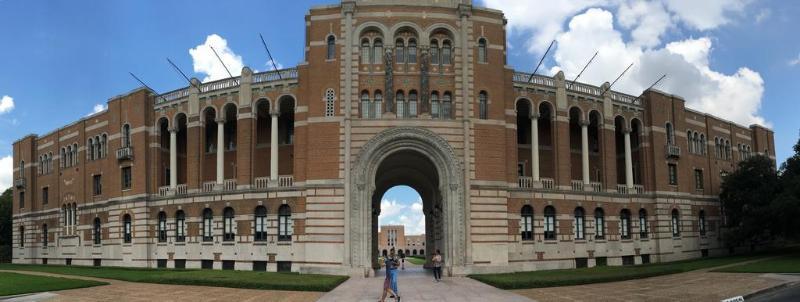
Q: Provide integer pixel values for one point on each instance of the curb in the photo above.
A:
(771, 289)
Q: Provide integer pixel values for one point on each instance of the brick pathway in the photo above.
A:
(415, 284)
(121, 291)
(691, 286)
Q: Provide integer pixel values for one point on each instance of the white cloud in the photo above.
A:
(6, 104)
(763, 15)
(543, 18)
(706, 14)
(409, 215)
(648, 21)
(736, 96)
(795, 61)
(6, 172)
(204, 60)
(98, 108)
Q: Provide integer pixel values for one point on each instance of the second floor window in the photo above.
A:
(208, 221)
(599, 224)
(483, 100)
(96, 231)
(698, 179)
(228, 224)
(97, 185)
(549, 223)
(285, 223)
(180, 226)
(673, 174)
(127, 181)
(162, 227)
(126, 228)
(579, 224)
(331, 53)
(260, 233)
(625, 224)
(526, 223)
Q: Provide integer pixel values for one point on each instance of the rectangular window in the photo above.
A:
(45, 195)
(365, 109)
(207, 264)
(673, 174)
(207, 227)
(127, 232)
(261, 228)
(521, 169)
(228, 234)
(627, 260)
(260, 266)
(601, 261)
(581, 262)
(625, 226)
(126, 178)
(527, 228)
(97, 185)
(161, 263)
(284, 266)
(401, 110)
(227, 265)
(698, 179)
(645, 258)
(97, 262)
(579, 228)
(549, 228)
(599, 227)
(21, 200)
(180, 235)
(180, 263)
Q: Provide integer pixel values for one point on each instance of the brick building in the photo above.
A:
(394, 237)
(284, 170)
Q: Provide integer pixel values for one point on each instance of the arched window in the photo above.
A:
(228, 223)
(377, 51)
(62, 157)
(399, 49)
(45, 235)
(90, 147)
(260, 233)
(482, 50)
(670, 134)
(579, 224)
(701, 223)
(365, 104)
(162, 227)
(331, 53)
(180, 226)
(702, 144)
(599, 224)
(126, 135)
(74, 154)
(103, 145)
(483, 101)
(434, 52)
(412, 103)
(689, 141)
(446, 105)
(412, 51)
(285, 223)
(365, 51)
(435, 104)
(330, 98)
(716, 147)
(96, 233)
(208, 225)
(50, 162)
(377, 109)
(549, 223)
(625, 224)
(401, 101)
(69, 157)
(526, 222)
(126, 228)
(446, 52)
(643, 227)
(676, 223)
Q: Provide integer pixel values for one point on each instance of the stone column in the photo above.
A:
(535, 146)
(220, 151)
(273, 148)
(585, 150)
(173, 158)
(628, 160)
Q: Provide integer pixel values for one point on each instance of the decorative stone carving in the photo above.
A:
(388, 96)
(424, 86)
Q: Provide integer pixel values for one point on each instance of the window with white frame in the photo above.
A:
(579, 224)
(526, 222)
(260, 233)
(284, 223)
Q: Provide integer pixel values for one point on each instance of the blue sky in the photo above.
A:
(59, 60)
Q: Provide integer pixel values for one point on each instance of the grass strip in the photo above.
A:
(17, 284)
(220, 278)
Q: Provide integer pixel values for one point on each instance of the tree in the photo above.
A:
(5, 225)
(747, 197)
(786, 207)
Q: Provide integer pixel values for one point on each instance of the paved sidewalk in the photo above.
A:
(122, 291)
(690, 286)
(416, 284)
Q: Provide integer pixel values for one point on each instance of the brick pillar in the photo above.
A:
(245, 128)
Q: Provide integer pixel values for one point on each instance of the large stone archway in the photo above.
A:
(393, 154)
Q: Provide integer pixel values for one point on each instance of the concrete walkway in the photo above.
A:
(416, 284)
(122, 291)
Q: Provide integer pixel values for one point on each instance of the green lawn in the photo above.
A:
(550, 278)
(416, 260)
(237, 279)
(15, 284)
(781, 264)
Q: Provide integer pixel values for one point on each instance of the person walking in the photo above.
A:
(437, 266)
(390, 283)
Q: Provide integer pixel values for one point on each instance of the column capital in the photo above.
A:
(173, 130)
(584, 123)
(535, 116)
(275, 114)
(627, 131)
(220, 120)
